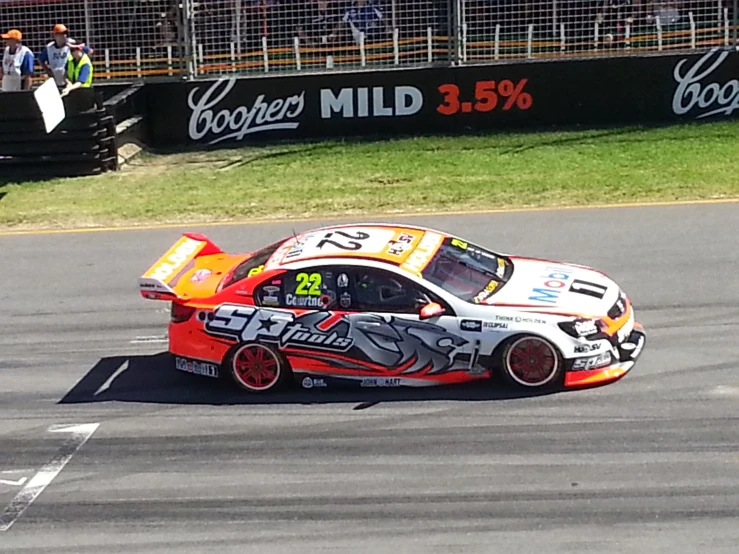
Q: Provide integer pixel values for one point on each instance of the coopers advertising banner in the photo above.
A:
(474, 98)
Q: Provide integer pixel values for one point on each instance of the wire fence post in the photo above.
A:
(736, 24)
(457, 13)
(188, 40)
(237, 23)
(449, 23)
(88, 22)
(726, 27)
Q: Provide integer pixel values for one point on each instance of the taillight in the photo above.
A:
(180, 313)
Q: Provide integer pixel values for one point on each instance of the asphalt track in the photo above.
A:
(177, 464)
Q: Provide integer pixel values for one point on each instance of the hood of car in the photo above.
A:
(557, 287)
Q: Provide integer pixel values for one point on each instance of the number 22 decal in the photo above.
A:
(308, 285)
(344, 245)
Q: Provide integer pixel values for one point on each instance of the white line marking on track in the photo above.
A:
(153, 339)
(80, 434)
(725, 390)
(105, 386)
(17, 483)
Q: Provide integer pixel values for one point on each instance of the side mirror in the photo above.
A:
(431, 310)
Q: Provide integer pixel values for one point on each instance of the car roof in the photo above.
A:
(405, 246)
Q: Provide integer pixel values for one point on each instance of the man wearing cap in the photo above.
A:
(17, 63)
(79, 69)
(54, 56)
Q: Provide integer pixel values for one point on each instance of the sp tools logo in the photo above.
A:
(314, 330)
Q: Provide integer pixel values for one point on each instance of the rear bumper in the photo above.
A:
(623, 356)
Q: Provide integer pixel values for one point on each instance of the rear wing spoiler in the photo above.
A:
(161, 279)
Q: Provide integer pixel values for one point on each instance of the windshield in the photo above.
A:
(467, 271)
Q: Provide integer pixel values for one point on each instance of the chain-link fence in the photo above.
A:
(297, 35)
(146, 39)
(131, 39)
(559, 28)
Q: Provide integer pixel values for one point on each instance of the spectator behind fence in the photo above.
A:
(54, 55)
(614, 16)
(79, 69)
(315, 21)
(17, 63)
(365, 16)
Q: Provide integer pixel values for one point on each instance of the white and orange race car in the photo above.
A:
(384, 306)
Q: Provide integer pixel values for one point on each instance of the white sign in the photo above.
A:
(227, 125)
(711, 98)
(50, 103)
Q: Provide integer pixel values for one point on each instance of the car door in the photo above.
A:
(387, 328)
(312, 328)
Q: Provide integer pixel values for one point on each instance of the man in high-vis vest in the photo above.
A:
(79, 69)
(54, 56)
(17, 67)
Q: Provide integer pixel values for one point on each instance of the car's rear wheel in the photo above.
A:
(257, 368)
(531, 362)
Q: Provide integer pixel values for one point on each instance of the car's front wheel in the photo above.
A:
(257, 368)
(531, 362)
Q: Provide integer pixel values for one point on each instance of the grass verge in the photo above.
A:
(405, 175)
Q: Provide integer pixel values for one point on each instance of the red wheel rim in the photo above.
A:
(256, 367)
(532, 362)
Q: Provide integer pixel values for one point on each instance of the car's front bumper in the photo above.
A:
(625, 354)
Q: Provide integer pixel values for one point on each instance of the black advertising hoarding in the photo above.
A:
(625, 90)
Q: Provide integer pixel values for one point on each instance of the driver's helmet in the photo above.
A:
(379, 290)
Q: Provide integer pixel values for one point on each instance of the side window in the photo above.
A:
(376, 290)
(348, 288)
(271, 293)
(309, 289)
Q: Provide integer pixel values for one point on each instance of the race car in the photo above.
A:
(379, 305)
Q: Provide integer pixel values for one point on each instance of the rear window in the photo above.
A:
(252, 266)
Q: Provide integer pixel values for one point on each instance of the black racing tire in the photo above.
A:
(257, 368)
(531, 362)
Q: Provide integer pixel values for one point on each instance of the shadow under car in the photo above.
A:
(152, 379)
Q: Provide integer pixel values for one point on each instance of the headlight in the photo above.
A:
(580, 328)
(619, 307)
